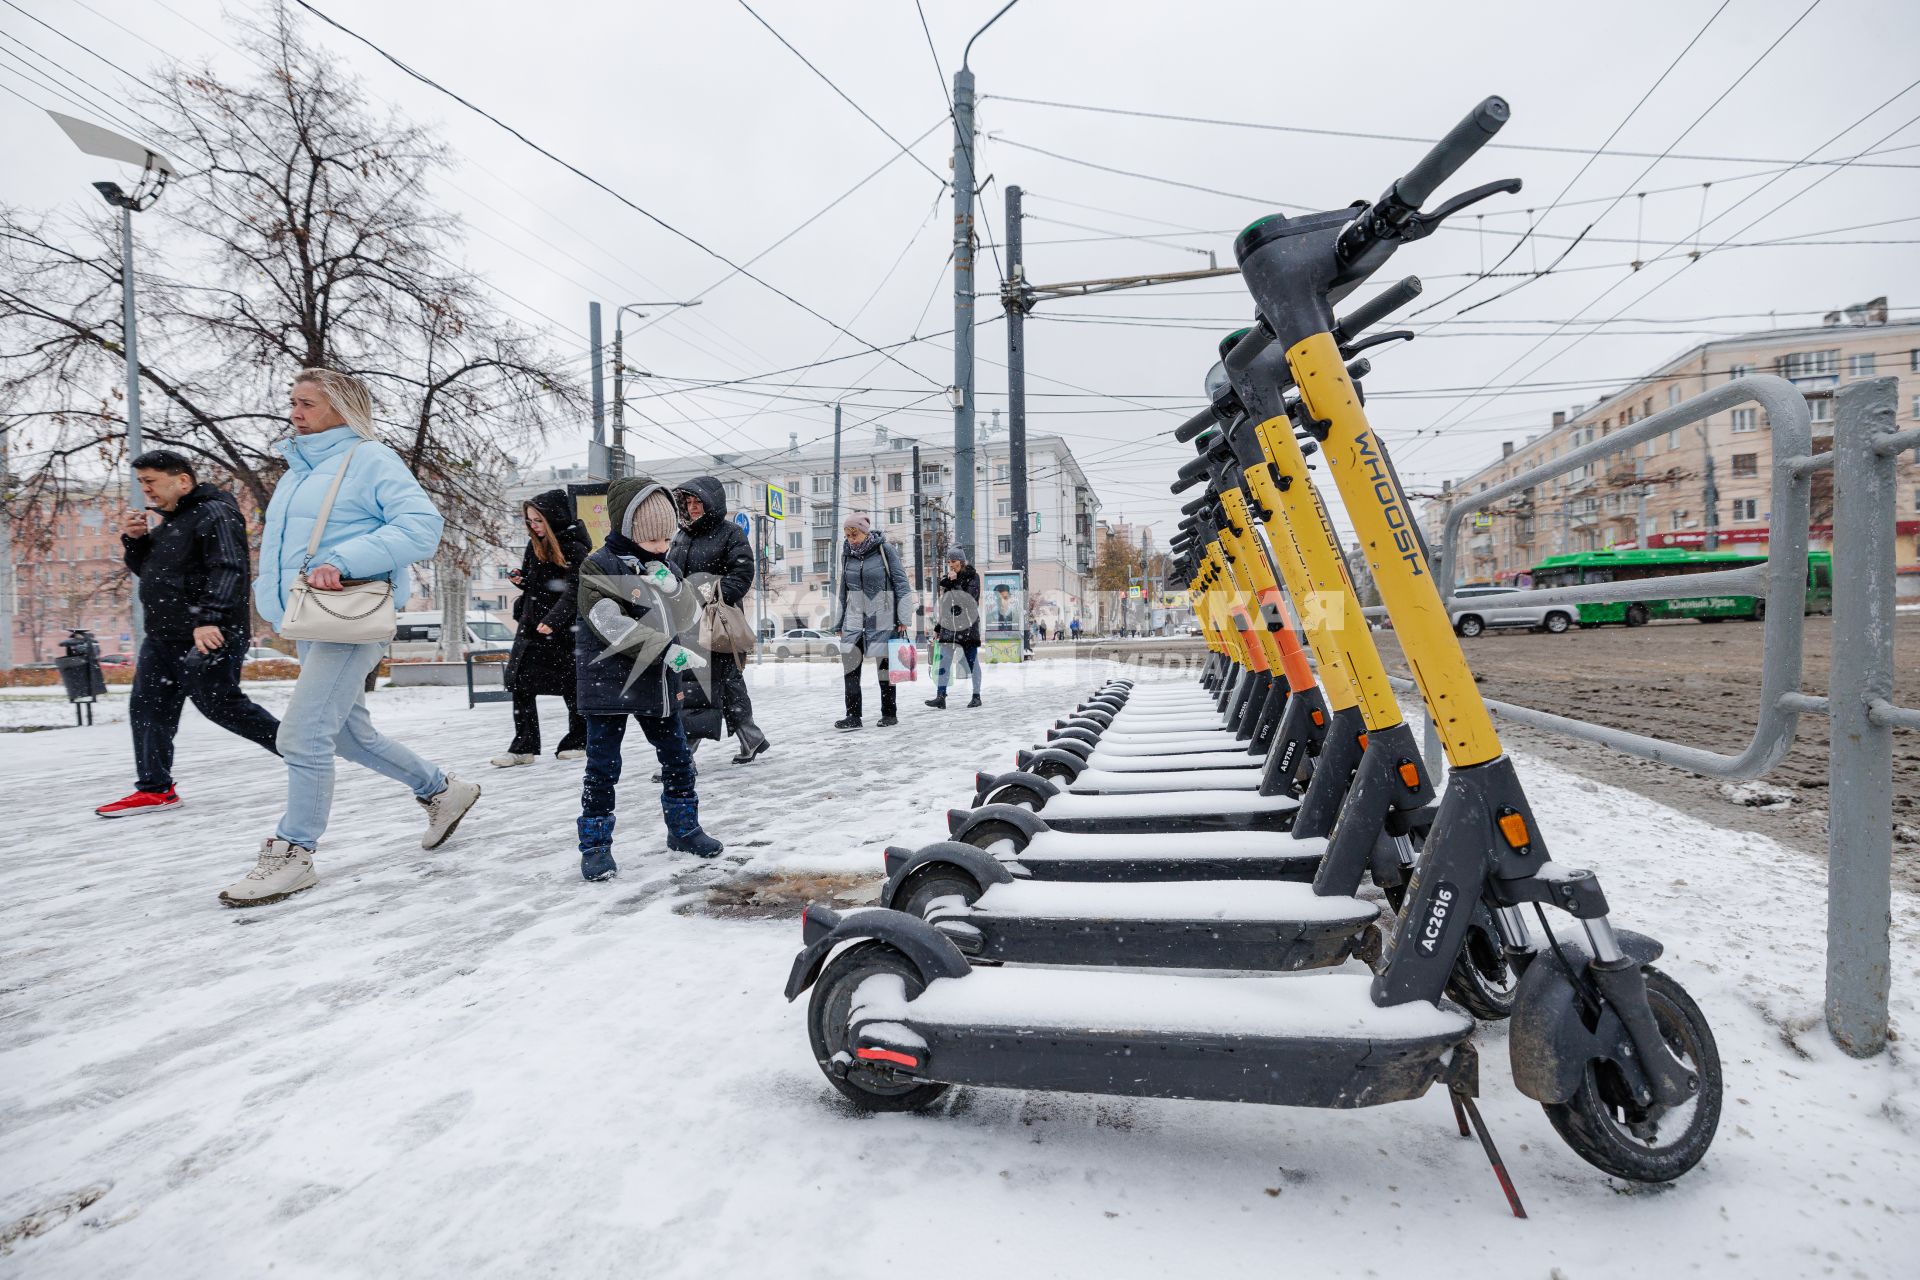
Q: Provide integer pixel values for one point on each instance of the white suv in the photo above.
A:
(1477, 609)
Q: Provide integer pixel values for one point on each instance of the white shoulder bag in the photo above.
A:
(359, 613)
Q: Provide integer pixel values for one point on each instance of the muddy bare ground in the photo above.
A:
(1696, 683)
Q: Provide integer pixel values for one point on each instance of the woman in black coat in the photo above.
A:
(712, 553)
(956, 616)
(542, 659)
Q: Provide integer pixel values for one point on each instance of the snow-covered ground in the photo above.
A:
(469, 1062)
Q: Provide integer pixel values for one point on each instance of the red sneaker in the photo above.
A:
(140, 802)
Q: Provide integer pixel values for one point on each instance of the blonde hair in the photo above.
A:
(350, 397)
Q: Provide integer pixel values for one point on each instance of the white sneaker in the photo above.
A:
(445, 810)
(570, 754)
(283, 870)
(513, 758)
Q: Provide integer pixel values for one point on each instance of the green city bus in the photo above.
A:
(1671, 562)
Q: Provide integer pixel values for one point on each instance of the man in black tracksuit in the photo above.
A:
(193, 576)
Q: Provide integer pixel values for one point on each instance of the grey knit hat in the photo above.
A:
(653, 518)
(857, 521)
(956, 553)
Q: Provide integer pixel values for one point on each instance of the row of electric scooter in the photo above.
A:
(1134, 910)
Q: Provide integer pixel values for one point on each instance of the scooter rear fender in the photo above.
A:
(961, 823)
(983, 867)
(823, 929)
(1547, 1036)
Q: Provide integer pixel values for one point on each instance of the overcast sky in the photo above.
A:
(697, 113)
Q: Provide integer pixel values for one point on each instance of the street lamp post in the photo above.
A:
(619, 382)
(155, 169)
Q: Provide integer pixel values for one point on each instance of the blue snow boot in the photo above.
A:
(683, 827)
(596, 849)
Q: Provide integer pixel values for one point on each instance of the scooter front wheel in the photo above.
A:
(868, 1087)
(1483, 982)
(1608, 1130)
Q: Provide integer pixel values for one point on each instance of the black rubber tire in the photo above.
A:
(866, 1088)
(1759, 611)
(930, 883)
(783, 652)
(1015, 793)
(1594, 1123)
(1470, 626)
(1051, 769)
(1483, 983)
(1557, 623)
(1637, 615)
(988, 834)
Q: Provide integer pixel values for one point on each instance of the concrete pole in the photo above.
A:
(1860, 778)
(597, 466)
(919, 556)
(833, 552)
(130, 332)
(1711, 497)
(963, 310)
(1017, 386)
(619, 394)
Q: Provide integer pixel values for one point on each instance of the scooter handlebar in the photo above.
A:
(1377, 308)
(1193, 426)
(1452, 151)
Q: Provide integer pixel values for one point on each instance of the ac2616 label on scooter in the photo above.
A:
(1445, 901)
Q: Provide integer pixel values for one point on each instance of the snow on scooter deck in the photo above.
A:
(1334, 1006)
(1066, 806)
(1174, 744)
(1243, 901)
(1077, 846)
(1116, 763)
(1115, 782)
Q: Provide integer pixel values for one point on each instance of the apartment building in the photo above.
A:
(72, 577)
(876, 478)
(1656, 495)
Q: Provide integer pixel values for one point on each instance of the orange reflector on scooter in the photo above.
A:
(1318, 719)
(886, 1055)
(1410, 774)
(1363, 742)
(1514, 827)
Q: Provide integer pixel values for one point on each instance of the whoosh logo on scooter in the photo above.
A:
(1444, 896)
(1387, 494)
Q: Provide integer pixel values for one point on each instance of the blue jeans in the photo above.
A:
(604, 736)
(328, 717)
(972, 652)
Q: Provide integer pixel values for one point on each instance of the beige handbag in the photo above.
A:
(724, 627)
(361, 612)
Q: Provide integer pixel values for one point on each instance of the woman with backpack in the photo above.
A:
(875, 605)
(542, 658)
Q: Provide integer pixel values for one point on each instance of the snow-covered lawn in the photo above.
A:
(469, 1062)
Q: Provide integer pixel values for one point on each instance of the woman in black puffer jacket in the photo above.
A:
(542, 659)
(712, 554)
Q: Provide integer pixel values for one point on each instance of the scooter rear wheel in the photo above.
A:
(1607, 1130)
(930, 884)
(1022, 794)
(869, 1088)
(988, 834)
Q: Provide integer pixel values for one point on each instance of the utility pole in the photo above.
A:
(1016, 306)
(1711, 497)
(919, 560)
(597, 462)
(1640, 503)
(833, 557)
(990, 543)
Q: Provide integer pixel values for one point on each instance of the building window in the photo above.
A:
(1673, 395)
(822, 548)
(1745, 420)
(1000, 472)
(732, 488)
(1739, 371)
(820, 484)
(1916, 407)
(1673, 439)
(896, 515)
(859, 484)
(896, 481)
(1820, 410)
(1860, 365)
(1746, 509)
(796, 541)
(1005, 544)
(1746, 464)
(930, 473)
(1800, 365)
(1913, 361)
(1004, 507)
(823, 517)
(793, 574)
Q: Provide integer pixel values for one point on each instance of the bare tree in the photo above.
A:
(301, 235)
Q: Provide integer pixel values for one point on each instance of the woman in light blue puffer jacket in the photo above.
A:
(382, 522)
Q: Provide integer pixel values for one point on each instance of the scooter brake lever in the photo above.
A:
(1373, 340)
(1421, 225)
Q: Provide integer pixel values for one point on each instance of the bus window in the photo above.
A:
(1822, 575)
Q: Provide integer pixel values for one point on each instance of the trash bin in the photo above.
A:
(80, 672)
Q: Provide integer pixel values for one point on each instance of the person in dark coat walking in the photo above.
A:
(956, 622)
(875, 605)
(542, 658)
(634, 611)
(193, 592)
(712, 555)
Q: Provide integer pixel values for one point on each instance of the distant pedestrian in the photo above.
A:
(875, 605)
(380, 523)
(712, 555)
(956, 623)
(1073, 629)
(634, 611)
(193, 596)
(542, 658)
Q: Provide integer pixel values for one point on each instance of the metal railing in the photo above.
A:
(1860, 686)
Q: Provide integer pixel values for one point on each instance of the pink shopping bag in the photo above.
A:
(903, 662)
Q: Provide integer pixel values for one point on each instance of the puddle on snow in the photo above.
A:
(780, 895)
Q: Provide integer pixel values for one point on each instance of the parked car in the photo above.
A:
(417, 635)
(1478, 609)
(804, 642)
(260, 653)
(116, 662)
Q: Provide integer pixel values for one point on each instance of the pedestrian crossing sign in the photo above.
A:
(776, 502)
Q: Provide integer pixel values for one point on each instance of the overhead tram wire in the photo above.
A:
(596, 183)
(905, 148)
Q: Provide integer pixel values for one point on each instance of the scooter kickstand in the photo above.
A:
(1459, 1114)
(1463, 1102)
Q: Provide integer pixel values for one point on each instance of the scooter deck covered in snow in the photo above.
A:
(1045, 853)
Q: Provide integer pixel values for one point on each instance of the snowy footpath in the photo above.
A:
(468, 1062)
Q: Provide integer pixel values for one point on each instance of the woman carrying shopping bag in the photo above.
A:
(344, 525)
(875, 605)
(542, 658)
